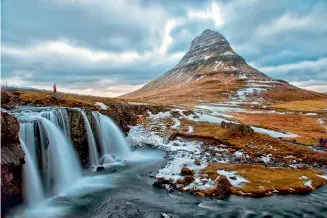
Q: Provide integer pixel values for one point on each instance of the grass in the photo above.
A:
(307, 127)
(265, 181)
(254, 144)
(307, 105)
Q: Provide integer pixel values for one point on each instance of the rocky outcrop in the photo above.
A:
(240, 128)
(78, 134)
(12, 160)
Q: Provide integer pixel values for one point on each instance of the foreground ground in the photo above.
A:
(218, 149)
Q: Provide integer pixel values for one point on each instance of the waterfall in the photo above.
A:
(111, 138)
(59, 117)
(93, 151)
(27, 134)
(33, 192)
(67, 169)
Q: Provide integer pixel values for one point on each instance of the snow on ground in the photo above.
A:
(238, 182)
(322, 176)
(241, 94)
(273, 133)
(161, 115)
(201, 77)
(311, 114)
(101, 105)
(177, 123)
(266, 159)
(308, 183)
(322, 123)
(190, 129)
(219, 110)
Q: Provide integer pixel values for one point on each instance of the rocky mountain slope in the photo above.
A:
(212, 72)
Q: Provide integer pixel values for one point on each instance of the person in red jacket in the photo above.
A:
(54, 88)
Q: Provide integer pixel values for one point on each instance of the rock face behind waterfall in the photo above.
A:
(12, 159)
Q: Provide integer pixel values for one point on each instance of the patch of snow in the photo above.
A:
(204, 118)
(190, 129)
(177, 123)
(311, 114)
(239, 154)
(322, 122)
(161, 115)
(139, 136)
(322, 176)
(308, 183)
(273, 133)
(101, 105)
(303, 177)
(227, 53)
(266, 159)
(206, 57)
(239, 179)
(233, 68)
(220, 111)
(201, 77)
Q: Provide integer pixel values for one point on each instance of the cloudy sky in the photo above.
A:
(110, 47)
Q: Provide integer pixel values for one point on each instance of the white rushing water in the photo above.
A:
(27, 134)
(93, 151)
(111, 138)
(33, 192)
(66, 168)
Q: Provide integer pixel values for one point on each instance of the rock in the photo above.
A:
(100, 168)
(5, 97)
(188, 180)
(107, 158)
(233, 177)
(164, 215)
(187, 172)
(199, 194)
(244, 129)
(197, 162)
(222, 187)
(12, 160)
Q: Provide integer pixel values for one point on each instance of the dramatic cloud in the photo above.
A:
(111, 47)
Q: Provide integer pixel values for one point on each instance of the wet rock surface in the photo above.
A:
(12, 160)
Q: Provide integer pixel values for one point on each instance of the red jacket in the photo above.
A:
(54, 86)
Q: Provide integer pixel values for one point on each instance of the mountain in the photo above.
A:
(211, 71)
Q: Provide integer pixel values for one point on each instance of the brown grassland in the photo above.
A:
(265, 181)
(306, 127)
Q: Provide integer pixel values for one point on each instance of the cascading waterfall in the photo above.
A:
(94, 157)
(48, 131)
(59, 117)
(33, 192)
(67, 168)
(27, 134)
(111, 138)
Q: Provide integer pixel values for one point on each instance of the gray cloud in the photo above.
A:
(104, 44)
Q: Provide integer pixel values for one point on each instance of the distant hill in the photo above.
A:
(211, 71)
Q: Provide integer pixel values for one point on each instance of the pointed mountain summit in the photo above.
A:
(211, 71)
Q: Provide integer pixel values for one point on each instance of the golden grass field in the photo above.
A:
(264, 180)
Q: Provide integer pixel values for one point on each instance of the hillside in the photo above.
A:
(211, 71)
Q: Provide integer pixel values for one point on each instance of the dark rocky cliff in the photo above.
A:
(12, 160)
